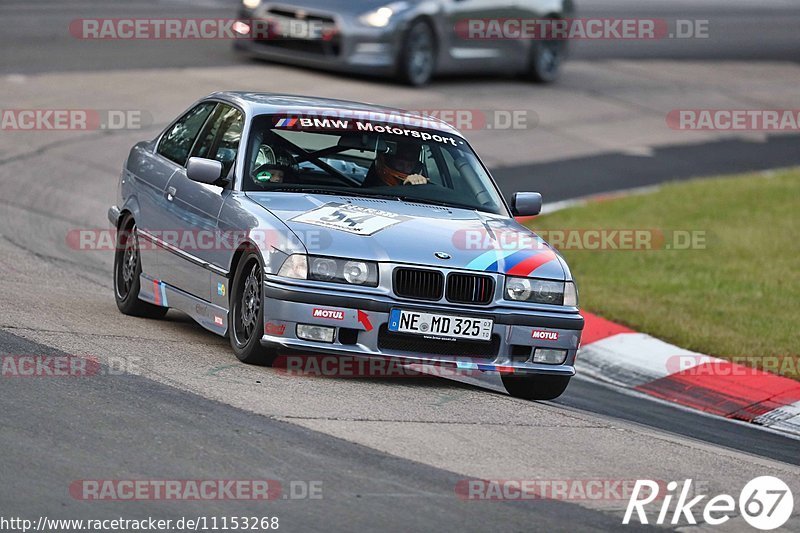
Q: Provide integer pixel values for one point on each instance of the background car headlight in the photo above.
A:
(381, 17)
(540, 291)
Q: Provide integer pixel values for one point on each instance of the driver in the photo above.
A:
(402, 167)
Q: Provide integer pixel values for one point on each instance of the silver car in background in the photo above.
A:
(412, 40)
(276, 220)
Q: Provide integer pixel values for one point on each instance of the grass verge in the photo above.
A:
(736, 296)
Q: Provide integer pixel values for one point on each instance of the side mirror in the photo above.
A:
(203, 170)
(526, 204)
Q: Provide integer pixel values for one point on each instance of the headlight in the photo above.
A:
(295, 266)
(380, 17)
(356, 272)
(541, 291)
(322, 269)
(251, 4)
(298, 266)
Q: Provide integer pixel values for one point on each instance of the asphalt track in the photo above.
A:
(756, 30)
(113, 429)
(389, 452)
(568, 178)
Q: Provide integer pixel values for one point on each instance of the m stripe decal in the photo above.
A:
(509, 262)
(487, 259)
(159, 293)
(527, 266)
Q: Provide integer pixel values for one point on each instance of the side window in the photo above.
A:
(178, 140)
(220, 138)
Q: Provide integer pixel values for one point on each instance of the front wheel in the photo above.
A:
(536, 387)
(546, 59)
(127, 272)
(246, 321)
(417, 60)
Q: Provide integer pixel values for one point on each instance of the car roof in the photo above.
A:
(254, 103)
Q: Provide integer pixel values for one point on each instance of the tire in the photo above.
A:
(536, 387)
(127, 272)
(546, 60)
(417, 60)
(246, 320)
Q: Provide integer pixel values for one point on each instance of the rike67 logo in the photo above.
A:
(765, 503)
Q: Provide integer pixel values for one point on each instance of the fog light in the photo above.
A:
(548, 356)
(315, 333)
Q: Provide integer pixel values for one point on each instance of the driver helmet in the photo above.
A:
(394, 168)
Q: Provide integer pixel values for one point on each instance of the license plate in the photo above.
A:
(435, 325)
(289, 28)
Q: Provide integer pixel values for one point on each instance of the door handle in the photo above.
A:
(171, 192)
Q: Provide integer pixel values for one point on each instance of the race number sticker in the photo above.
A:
(350, 218)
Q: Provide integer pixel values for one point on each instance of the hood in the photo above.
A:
(405, 232)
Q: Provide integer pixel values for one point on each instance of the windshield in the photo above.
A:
(364, 158)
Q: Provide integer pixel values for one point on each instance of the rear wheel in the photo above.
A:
(127, 272)
(246, 321)
(536, 387)
(417, 60)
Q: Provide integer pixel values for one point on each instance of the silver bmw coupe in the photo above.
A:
(342, 228)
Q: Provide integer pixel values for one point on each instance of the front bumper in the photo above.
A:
(361, 330)
(356, 49)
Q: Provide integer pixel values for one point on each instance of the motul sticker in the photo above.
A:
(544, 335)
(331, 314)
